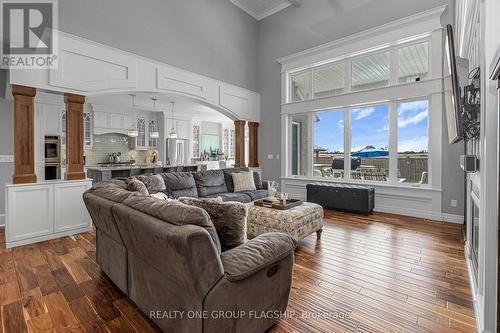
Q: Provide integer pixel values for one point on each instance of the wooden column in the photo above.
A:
(74, 136)
(253, 147)
(239, 133)
(24, 134)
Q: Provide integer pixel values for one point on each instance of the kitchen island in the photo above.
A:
(106, 172)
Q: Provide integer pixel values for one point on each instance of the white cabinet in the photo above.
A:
(87, 130)
(69, 209)
(181, 127)
(51, 119)
(115, 120)
(129, 121)
(45, 210)
(101, 119)
(29, 212)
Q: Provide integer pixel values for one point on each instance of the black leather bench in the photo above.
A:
(346, 197)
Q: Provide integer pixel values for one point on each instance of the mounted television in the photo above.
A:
(452, 90)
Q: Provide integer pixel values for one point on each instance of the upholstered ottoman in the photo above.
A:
(298, 222)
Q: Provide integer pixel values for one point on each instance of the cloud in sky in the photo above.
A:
(412, 107)
(416, 144)
(362, 112)
(413, 119)
(340, 124)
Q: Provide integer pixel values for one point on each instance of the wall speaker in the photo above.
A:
(469, 163)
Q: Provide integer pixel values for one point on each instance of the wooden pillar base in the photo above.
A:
(239, 130)
(253, 147)
(74, 136)
(24, 134)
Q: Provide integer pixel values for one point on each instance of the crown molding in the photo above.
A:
(263, 15)
(432, 16)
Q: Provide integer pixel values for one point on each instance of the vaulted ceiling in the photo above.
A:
(260, 9)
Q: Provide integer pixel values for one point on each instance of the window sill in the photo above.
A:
(426, 187)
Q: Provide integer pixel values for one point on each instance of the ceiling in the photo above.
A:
(184, 107)
(260, 9)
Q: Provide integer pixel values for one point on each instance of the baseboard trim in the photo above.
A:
(433, 216)
(452, 218)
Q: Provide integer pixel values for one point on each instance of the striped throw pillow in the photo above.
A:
(243, 181)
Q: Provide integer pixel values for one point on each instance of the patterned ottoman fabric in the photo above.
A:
(298, 222)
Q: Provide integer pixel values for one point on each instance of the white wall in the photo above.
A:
(317, 22)
(208, 37)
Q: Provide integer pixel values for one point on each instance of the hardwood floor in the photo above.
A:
(382, 273)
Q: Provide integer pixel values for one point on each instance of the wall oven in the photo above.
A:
(52, 149)
(52, 155)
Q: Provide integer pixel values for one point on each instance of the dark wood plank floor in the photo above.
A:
(382, 273)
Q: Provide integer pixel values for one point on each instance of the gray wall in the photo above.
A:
(210, 37)
(317, 22)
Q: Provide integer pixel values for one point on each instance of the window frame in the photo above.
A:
(392, 179)
(392, 48)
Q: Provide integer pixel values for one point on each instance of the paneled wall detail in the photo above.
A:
(239, 127)
(24, 134)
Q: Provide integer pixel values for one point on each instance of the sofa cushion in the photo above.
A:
(229, 219)
(180, 184)
(231, 196)
(229, 178)
(154, 183)
(243, 181)
(135, 185)
(257, 194)
(174, 212)
(210, 182)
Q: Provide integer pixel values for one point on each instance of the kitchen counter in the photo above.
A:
(101, 173)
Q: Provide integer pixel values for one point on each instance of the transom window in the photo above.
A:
(389, 66)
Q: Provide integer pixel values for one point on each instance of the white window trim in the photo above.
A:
(393, 146)
(425, 26)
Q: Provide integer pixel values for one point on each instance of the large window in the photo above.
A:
(413, 141)
(329, 80)
(328, 148)
(370, 71)
(355, 143)
(370, 143)
(388, 66)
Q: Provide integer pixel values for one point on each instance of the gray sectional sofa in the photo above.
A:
(212, 184)
(166, 256)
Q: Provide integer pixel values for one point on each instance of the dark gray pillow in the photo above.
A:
(135, 185)
(257, 180)
(154, 183)
(180, 184)
(210, 182)
(229, 219)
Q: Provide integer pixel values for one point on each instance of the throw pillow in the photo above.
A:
(135, 185)
(154, 183)
(229, 219)
(161, 196)
(257, 180)
(243, 181)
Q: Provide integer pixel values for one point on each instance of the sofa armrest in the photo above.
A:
(256, 254)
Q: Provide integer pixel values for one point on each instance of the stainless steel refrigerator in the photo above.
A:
(177, 151)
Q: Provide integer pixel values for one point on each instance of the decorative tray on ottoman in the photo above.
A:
(278, 204)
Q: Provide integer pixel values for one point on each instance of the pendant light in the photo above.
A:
(132, 131)
(154, 134)
(173, 133)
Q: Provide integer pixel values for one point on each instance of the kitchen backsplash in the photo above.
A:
(106, 144)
